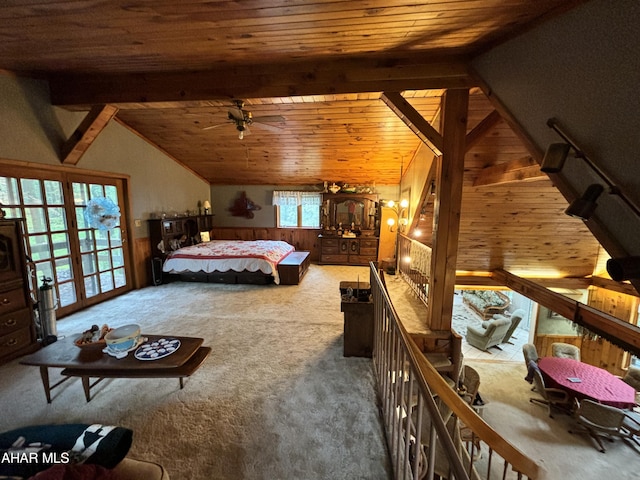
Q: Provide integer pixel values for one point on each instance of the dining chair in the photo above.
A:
(470, 383)
(551, 397)
(565, 350)
(632, 425)
(530, 354)
(632, 377)
(531, 358)
(604, 421)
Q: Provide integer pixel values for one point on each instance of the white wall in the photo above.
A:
(32, 130)
(582, 68)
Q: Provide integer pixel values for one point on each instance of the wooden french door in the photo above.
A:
(102, 259)
(86, 265)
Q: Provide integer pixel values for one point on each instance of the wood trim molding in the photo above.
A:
(19, 164)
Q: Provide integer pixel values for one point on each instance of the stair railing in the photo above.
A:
(430, 429)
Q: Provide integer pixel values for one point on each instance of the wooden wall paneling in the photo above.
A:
(543, 343)
(305, 239)
(142, 262)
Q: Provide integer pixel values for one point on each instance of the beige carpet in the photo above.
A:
(275, 400)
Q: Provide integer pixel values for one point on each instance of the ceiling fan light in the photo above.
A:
(241, 134)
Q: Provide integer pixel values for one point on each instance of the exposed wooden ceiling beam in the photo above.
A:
(416, 122)
(88, 130)
(618, 332)
(514, 171)
(480, 130)
(323, 76)
(614, 286)
(485, 279)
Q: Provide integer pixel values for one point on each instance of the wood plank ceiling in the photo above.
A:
(173, 68)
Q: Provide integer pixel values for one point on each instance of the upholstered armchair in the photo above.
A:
(490, 334)
(516, 318)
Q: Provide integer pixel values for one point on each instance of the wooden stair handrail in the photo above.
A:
(426, 372)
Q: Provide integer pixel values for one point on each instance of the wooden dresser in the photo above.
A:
(17, 328)
(348, 251)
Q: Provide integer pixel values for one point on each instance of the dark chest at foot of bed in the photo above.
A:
(293, 268)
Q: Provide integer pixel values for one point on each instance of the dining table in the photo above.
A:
(582, 380)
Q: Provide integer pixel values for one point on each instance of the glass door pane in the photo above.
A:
(41, 203)
(103, 261)
(85, 264)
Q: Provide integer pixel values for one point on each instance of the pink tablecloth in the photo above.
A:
(586, 381)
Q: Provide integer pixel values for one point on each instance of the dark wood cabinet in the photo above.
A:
(17, 328)
(348, 251)
(358, 328)
(351, 229)
(169, 234)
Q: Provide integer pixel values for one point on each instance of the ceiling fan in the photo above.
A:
(242, 119)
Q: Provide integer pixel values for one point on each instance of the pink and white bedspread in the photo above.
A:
(225, 255)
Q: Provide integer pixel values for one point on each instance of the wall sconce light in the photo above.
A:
(627, 268)
(555, 157)
(584, 206)
(207, 207)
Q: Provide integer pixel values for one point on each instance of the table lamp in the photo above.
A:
(207, 207)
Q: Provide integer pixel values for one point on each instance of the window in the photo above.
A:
(297, 209)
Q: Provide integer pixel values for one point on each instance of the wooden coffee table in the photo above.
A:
(93, 363)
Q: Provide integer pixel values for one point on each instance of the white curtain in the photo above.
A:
(295, 198)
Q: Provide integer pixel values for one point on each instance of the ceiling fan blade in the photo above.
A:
(271, 128)
(210, 127)
(270, 119)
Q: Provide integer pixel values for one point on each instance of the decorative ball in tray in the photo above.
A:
(93, 338)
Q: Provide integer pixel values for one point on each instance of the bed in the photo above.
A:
(229, 261)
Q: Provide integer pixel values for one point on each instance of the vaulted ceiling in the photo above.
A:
(173, 68)
(317, 71)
